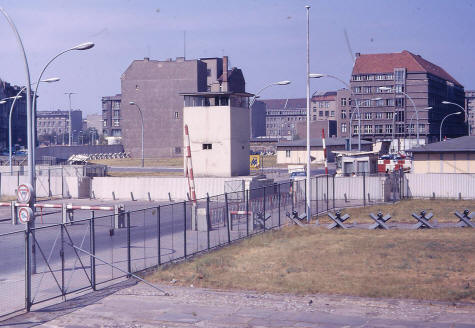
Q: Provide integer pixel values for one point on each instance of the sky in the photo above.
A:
(265, 38)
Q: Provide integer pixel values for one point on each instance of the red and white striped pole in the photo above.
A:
(189, 167)
(324, 151)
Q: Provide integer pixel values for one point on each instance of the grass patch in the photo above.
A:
(422, 264)
(401, 211)
(151, 162)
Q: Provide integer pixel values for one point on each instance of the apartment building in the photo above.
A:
(282, 116)
(400, 95)
(470, 109)
(111, 118)
(155, 87)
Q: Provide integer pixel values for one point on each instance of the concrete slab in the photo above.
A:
(130, 305)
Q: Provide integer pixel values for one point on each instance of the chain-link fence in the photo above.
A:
(88, 253)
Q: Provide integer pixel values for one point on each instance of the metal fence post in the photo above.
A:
(129, 258)
(278, 186)
(316, 195)
(328, 196)
(364, 189)
(305, 197)
(27, 268)
(159, 259)
(333, 187)
(247, 213)
(184, 228)
(61, 253)
(49, 183)
(264, 208)
(208, 221)
(92, 249)
(227, 216)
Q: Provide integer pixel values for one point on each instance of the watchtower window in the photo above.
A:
(207, 146)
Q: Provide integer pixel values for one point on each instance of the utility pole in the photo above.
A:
(70, 124)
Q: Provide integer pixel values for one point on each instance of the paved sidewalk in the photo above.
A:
(141, 306)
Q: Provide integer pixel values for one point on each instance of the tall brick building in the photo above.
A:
(470, 109)
(402, 73)
(155, 86)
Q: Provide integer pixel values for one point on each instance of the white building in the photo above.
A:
(218, 125)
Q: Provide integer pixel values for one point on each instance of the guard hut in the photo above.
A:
(356, 162)
(218, 127)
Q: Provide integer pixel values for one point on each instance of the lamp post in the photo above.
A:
(70, 123)
(352, 112)
(307, 181)
(141, 118)
(442, 123)
(465, 112)
(79, 47)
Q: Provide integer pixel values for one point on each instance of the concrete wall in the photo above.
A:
(157, 186)
(444, 162)
(68, 187)
(56, 170)
(443, 185)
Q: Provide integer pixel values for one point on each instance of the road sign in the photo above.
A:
(24, 214)
(255, 162)
(24, 193)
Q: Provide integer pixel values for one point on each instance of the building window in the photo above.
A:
(104, 123)
(368, 129)
(177, 150)
(389, 128)
(378, 129)
(326, 113)
(343, 101)
(320, 113)
(368, 116)
(343, 114)
(207, 146)
(355, 129)
(389, 116)
(287, 153)
(177, 115)
(378, 115)
(422, 128)
(332, 113)
(399, 75)
(115, 123)
(116, 113)
(343, 127)
(314, 117)
(399, 88)
(208, 72)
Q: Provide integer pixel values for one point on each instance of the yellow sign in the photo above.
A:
(255, 162)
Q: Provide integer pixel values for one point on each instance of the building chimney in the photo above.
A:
(357, 54)
(225, 68)
(146, 59)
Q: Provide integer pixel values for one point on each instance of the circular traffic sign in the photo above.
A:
(24, 192)
(25, 214)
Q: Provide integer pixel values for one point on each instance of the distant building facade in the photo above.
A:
(94, 121)
(56, 125)
(282, 116)
(18, 116)
(155, 86)
(111, 116)
(470, 109)
(389, 111)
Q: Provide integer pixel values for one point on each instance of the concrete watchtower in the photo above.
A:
(218, 125)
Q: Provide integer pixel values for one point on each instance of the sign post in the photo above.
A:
(25, 196)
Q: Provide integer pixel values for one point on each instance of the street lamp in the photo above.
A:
(316, 75)
(442, 123)
(267, 86)
(465, 112)
(79, 47)
(141, 118)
